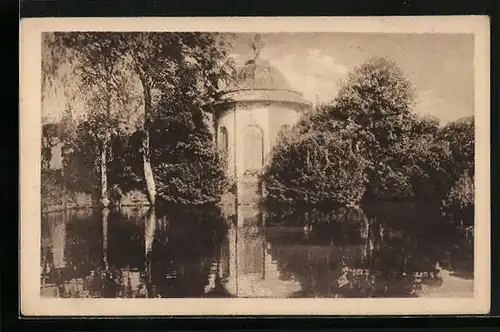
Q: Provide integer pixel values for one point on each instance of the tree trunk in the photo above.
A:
(105, 219)
(104, 174)
(149, 234)
(146, 151)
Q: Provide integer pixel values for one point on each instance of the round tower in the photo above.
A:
(249, 115)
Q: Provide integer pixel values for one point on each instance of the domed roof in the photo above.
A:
(258, 81)
(259, 74)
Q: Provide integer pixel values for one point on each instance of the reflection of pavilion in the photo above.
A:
(274, 261)
(247, 269)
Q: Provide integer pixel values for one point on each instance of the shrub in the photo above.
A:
(316, 168)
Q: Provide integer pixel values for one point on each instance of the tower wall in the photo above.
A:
(240, 118)
(280, 116)
(248, 118)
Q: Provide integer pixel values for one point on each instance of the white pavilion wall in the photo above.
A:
(237, 122)
(268, 117)
(278, 117)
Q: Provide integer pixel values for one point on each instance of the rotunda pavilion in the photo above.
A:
(249, 116)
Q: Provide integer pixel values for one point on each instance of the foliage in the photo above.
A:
(460, 136)
(81, 160)
(125, 164)
(188, 169)
(49, 140)
(415, 167)
(458, 205)
(315, 167)
(369, 117)
(386, 151)
(94, 66)
(186, 166)
(376, 100)
(51, 189)
(175, 70)
(377, 97)
(77, 174)
(166, 77)
(98, 72)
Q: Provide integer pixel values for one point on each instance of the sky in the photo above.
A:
(440, 66)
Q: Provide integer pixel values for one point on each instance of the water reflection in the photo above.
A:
(127, 253)
(185, 252)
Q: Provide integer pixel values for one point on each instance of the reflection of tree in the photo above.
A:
(88, 271)
(322, 225)
(429, 237)
(126, 240)
(83, 248)
(183, 252)
(182, 255)
(361, 257)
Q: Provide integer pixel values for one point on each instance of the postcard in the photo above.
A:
(254, 166)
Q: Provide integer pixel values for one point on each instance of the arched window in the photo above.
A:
(253, 148)
(224, 143)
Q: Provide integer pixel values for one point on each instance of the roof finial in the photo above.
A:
(257, 45)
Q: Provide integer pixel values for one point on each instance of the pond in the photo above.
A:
(383, 250)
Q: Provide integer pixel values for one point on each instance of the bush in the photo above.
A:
(187, 166)
(316, 168)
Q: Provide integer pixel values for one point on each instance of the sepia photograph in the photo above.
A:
(253, 168)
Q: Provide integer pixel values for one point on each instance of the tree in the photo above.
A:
(316, 167)
(188, 169)
(177, 67)
(55, 179)
(406, 156)
(398, 155)
(174, 74)
(458, 205)
(414, 167)
(81, 163)
(371, 116)
(377, 99)
(460, 135)
(178, 73)
(97, 67)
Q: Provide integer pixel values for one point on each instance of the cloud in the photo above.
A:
(314, 52)
(323, 65)
(314, 73)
